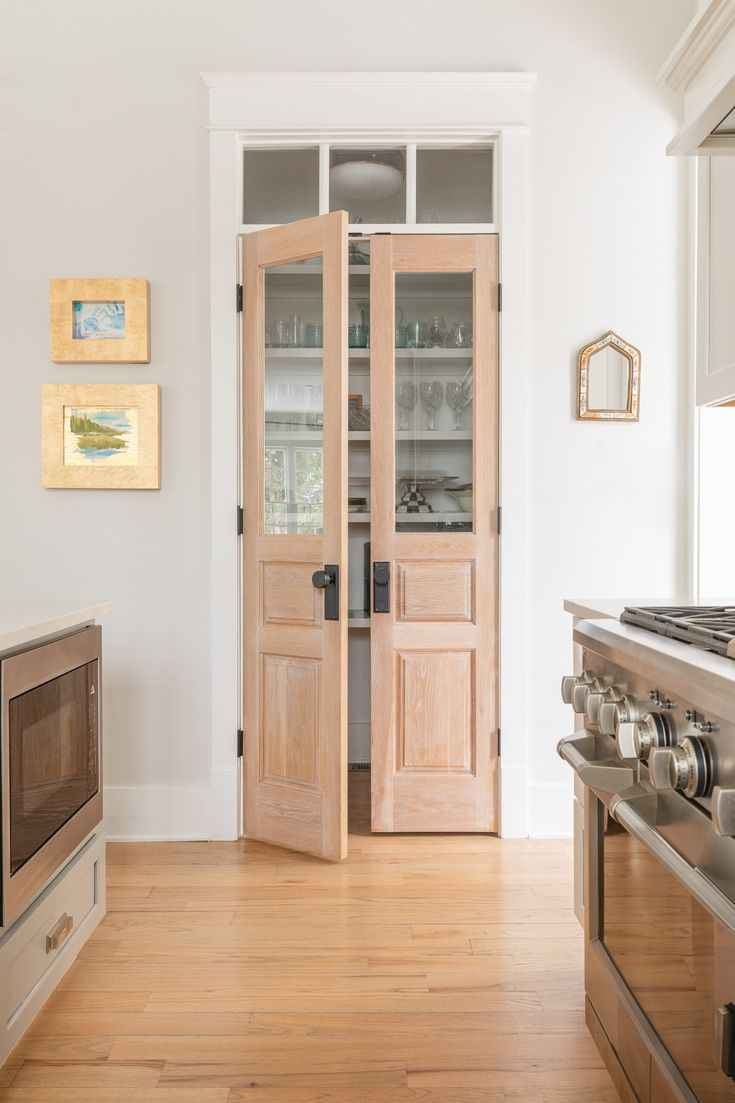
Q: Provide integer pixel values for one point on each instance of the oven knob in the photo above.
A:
(613, 712)
(655, 729)
(723, 810)
(686, 767)
(595, 700)
(626, 737)
(569, 683)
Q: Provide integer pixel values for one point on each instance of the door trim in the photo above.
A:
(478, 119)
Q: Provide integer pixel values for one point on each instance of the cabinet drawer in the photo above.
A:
(48, 930)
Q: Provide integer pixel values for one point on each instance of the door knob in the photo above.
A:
(328, 580)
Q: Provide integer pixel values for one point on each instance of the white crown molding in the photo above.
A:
(330, 102)
(697, 44)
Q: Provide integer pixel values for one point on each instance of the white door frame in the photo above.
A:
(306, 108)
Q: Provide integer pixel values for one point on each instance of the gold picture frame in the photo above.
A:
(101, 436)
(627, 405)
(100, 321)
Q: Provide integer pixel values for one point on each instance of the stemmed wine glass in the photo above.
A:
(458, 396)
(405, 400)
(431, 393)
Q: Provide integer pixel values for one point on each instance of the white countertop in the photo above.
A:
(597, 608)
(24, 622)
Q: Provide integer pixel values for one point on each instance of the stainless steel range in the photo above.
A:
(657, 758)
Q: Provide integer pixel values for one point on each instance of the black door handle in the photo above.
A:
(381, 587)
(328, 580)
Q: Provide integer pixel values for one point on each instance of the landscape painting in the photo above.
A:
(100, 436)
(99, 321)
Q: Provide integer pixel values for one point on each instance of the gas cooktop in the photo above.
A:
(710, 627)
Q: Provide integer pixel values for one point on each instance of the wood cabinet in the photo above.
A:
(370, 555)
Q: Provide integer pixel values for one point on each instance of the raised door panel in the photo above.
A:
(288, 596)
(289, 693)
(433, 590)
(435, 711)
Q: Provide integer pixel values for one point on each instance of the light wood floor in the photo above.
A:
(440, 969)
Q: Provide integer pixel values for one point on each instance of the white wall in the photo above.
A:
(104, 172)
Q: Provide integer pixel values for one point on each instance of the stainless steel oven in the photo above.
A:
(659, 863)
(50, 762)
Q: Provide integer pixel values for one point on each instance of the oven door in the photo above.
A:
(50, 762)
(669, 929)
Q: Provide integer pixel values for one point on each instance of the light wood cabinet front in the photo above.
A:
(434, 653)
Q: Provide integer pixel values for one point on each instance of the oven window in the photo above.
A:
(54, 767)
(677, 960)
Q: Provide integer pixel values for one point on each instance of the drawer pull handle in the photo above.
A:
(59, 933)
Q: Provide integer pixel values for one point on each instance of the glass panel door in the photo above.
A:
(295, 534)
(54, 766)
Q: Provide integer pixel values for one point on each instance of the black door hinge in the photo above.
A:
(240, 741)
(500, 519)
(240, 521)
(498, 742)
(238, 298)
(500, 297)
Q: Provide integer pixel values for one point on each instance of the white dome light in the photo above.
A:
(365, 179)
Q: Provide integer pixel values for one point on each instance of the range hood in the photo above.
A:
(702, 66)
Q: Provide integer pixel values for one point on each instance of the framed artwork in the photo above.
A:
(354, 401)
(101, 436)
(100, 322)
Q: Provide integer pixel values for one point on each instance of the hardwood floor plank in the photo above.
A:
(430, 969)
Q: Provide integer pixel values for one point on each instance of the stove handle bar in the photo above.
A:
(626, 811)
(593, 766)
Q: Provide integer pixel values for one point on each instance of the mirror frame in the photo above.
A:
(633, 356)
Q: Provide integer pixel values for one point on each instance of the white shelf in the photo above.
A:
(364, 354)
(357, 618)
(416, 518)
(408, 435)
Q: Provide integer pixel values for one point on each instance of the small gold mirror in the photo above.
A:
(608, 380)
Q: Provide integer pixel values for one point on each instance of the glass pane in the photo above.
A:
(434, 420)
(369, 183)
(294, 401)
(280, 185)
(53, 758)
(454, 185)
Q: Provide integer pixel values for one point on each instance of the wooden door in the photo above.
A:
(295, 492)
(434, 654)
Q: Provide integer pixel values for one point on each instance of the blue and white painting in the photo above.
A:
(99, 321)
(100, 436)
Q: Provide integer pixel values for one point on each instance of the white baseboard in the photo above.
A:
(140, 813)
(513, 802)
(550, 810)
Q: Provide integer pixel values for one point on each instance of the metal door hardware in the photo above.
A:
(328, 580)
(381, 587)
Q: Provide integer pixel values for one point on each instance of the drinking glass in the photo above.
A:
(314, 406)
(295, 331)
(297, 405)
(458, 395)
(405, 400)
(415, 335)
(459, 337)
(431, 393)
(437, 332)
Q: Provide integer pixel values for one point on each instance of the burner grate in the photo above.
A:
(711, 627)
